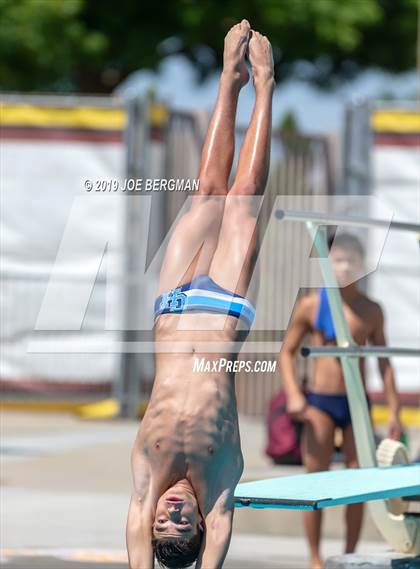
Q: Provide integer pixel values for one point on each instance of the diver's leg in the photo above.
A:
(233, 260)
(194, 240)
(219, 146)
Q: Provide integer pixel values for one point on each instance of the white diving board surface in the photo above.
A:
(331, 488)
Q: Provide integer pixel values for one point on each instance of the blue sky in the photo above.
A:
(317, 111)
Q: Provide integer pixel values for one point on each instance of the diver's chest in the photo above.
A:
(193, 436)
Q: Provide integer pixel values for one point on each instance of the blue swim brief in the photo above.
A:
(202, 294)
(335, 406)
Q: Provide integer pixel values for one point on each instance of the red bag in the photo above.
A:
(284, 434)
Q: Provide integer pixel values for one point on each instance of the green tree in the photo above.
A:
(44, 43)
(288, 122)
(91, 45)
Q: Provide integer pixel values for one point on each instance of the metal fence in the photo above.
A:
(300, 167)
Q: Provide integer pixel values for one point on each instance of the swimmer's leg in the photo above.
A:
(353, 512)
(234, 258)
(317, 449)
(219, 146)
(192, 245)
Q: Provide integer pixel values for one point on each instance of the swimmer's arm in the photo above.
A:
(298, 327)
(378, 339)
(139, 536)
(218, 531)
(140, 513)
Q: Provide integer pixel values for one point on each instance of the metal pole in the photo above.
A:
(358, 352)
(137, 136)
(363, 432)
(399, 531)
(327, 219)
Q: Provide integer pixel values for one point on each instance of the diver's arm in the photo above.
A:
(217, 534)
(140, 514)
(139, 536)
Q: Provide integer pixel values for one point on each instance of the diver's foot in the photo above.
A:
(261, 58)
(236, 44)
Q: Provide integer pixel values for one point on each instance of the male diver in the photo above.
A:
(186, 459)
(325, 406)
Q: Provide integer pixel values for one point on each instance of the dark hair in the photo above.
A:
(346, 241)
(177, 553)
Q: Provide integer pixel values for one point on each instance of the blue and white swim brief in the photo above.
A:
(202, 294)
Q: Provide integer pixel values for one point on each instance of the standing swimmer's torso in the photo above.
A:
(327, 376)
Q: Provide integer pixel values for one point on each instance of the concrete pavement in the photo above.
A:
(66, 483)
(246, 552)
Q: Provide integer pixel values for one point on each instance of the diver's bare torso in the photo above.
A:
(190, 429)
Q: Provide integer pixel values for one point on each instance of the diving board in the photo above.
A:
(331, 488)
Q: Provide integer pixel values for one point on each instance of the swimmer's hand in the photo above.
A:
(296, 406)
(395, 429)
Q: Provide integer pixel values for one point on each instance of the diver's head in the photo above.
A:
(178, 527)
